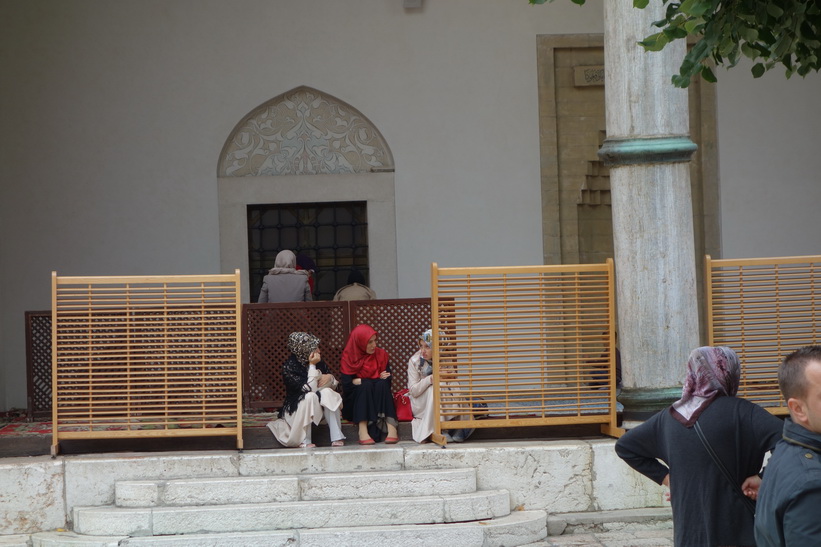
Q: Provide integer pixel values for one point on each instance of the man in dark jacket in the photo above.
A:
(789, 500)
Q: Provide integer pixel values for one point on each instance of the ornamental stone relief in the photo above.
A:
(304, 132)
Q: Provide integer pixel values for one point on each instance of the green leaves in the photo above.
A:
(787, 32)
(769, 32)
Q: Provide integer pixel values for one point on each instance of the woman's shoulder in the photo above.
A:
(414, 359)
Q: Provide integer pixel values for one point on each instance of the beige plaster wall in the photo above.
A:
(769, 139)
(113, 114)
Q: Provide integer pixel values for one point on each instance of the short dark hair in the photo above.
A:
(791, 379)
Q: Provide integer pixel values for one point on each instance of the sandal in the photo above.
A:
(367, 441)
(307, 445)
(338, 443)
(391, 440)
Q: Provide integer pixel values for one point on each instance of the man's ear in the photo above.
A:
(797, 411)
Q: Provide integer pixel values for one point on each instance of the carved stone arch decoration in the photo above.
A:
(306, 146)
(304, 132)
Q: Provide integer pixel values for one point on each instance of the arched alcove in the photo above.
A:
(301, 147)
(304, 132)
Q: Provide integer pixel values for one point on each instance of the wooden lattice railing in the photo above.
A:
(145, 356)
(528, 345)
(764, 309)
(266, 328)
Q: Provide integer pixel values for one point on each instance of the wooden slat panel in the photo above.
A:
(528, 345)
(146, 356)
(763, 308)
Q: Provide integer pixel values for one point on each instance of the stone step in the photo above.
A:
(261, 489)
(517, 528)
(651, 518)
(155, 521)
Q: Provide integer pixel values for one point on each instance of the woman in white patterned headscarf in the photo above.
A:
(309, 394)
(420, 381)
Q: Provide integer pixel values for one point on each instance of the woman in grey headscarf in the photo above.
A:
(309, 394)
(284, 283)
(708, 510)
(420, 383)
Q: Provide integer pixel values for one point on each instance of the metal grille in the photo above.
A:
(265, 330)
(145, 357)
(524, 345)
(763, 309)
(38, 364)
(333, 235)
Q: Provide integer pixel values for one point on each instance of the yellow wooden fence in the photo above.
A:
(763, 308)
(521, 346)
(146, 356)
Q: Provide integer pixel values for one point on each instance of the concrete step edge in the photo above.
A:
(277, 488)
(111, 520)
(615, 520)
(517, 528)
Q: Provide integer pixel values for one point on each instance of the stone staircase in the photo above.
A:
(357, 507)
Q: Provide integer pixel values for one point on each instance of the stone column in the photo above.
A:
(648, 149)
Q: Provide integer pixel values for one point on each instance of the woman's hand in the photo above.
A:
(314, 357)
(750, 486)
(384, 375)
(666, 482)
(326, 380)
(357, 381)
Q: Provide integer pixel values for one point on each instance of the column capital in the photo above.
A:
(641, 403)
(643, 150)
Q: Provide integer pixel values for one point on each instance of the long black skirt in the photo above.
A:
(372, 402)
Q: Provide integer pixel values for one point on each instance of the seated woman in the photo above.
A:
(309, 393)
(366, 388)
(420, 380)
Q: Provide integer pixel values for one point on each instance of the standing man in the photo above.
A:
(789, 501)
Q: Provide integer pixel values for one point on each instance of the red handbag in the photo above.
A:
(402, 402)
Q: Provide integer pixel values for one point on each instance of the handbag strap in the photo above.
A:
(737, 489)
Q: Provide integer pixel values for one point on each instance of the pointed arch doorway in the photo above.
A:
(305, 148)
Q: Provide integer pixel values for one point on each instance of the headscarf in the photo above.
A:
(285, 262)
(355, 361)
(302, 345)
(711, 372)
(427, 337)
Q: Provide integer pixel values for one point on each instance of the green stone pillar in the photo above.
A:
(648, 150)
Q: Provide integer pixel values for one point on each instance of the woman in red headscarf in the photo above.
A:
(366, 388)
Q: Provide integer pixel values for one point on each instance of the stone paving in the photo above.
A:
(647, 538)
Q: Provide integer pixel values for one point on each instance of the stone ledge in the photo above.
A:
(609, 521)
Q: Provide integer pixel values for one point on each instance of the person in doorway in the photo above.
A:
(366, 388)
(306, 263)
(310, 394)
(355, 289)
(284, 283)
(709, 507)
(420, 384)
(790, 495)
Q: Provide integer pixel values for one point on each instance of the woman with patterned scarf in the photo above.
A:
(709, 506)
(309, 394)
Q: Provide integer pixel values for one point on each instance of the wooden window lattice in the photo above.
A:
(38, 364)
(145, 356)
(528, 345)
(266, 328)
(764, 309)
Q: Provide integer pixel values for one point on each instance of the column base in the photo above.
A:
(641, 403)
